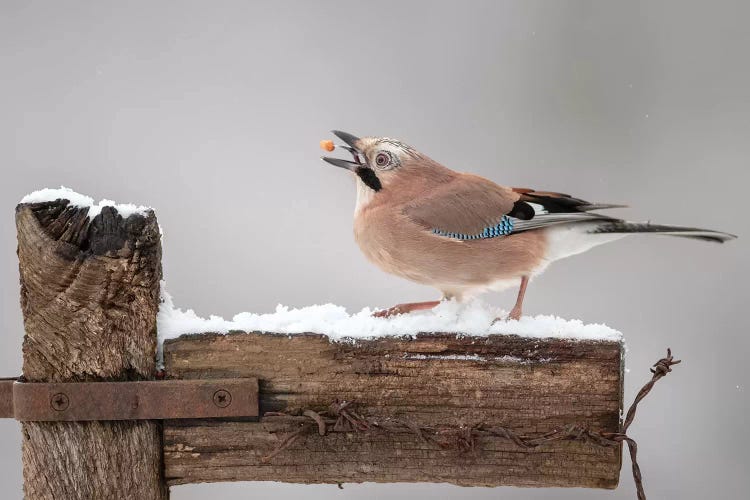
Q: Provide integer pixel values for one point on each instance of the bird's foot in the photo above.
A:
(387, 313)
(405, 308)
(515, 314)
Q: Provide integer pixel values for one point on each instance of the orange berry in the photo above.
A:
(327, 145)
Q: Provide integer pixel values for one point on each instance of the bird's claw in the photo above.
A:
(387, 313)
(515, 314)
(405, 308)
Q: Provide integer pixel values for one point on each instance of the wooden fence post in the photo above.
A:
(89, 295)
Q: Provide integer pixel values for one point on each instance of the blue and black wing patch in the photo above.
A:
(533, 210)
(502, 228)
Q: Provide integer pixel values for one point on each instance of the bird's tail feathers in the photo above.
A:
(625, 227)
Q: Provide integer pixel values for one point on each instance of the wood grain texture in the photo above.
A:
(433, 380)
(89, 295)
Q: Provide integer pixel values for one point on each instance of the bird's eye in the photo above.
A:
(382, 159)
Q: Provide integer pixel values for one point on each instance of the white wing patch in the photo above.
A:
(538, 209)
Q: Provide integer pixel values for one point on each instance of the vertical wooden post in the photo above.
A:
(89, 295)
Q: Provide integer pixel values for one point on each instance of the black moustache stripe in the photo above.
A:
(369, 178)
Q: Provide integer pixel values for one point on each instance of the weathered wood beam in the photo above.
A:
(89, 295)
(442, 384)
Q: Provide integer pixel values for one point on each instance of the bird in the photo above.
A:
(464, 234)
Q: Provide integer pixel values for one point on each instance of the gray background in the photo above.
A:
(211, 112)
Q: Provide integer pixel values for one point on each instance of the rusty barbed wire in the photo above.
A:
(340, 417)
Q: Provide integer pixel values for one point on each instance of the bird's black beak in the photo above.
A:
(351, 146)
(349, 139)
(338, 162)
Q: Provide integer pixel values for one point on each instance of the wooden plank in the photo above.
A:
(89, 295)
(436, 381)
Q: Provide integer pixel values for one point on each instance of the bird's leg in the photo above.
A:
(405, 308)
(517, 310)
(515, 313)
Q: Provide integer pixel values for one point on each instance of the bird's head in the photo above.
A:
(378, 162)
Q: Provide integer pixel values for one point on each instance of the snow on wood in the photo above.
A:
(474, 318)
(83, 201)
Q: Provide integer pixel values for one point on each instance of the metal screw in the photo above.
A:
(222, 398)
(59, 402)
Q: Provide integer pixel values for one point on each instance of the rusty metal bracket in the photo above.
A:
(140, 400)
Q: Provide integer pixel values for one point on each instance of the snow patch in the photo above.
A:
(471, 318)
(83, 201)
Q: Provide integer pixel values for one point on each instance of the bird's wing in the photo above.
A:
(467, 204)
(550, 202)
(470, 206)
(552, 208)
